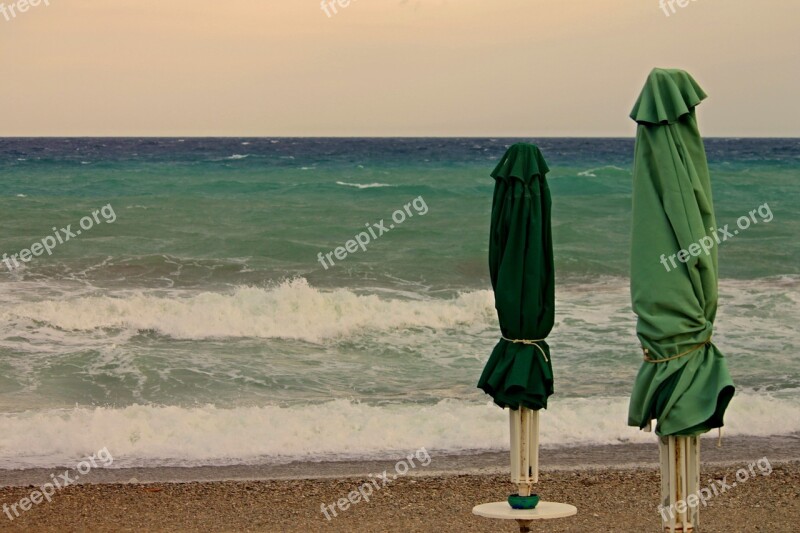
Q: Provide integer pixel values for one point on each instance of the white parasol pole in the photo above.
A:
(680, 483)
(524, 449)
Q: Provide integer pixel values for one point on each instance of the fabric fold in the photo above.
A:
(668, 95)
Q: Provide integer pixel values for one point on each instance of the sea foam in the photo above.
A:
(141, 435)
(292, 310)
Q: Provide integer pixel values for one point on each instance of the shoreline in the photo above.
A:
(615, 488)
(734, 451)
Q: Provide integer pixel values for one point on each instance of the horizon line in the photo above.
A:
(2, 137)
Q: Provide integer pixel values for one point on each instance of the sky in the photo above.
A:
(517, 68)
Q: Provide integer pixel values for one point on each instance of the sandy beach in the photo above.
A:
(619, 499)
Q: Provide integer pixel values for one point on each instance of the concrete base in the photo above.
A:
(543, 511)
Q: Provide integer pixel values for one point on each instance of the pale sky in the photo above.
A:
(389, 67)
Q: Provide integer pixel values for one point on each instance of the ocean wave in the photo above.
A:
(364, 185)
(141, 435)
(291, 310)
(591, 172)
(294, 309)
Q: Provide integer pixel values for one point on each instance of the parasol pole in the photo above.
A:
(680, 483)
(524, 449)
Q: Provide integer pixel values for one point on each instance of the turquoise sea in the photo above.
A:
(191, 322)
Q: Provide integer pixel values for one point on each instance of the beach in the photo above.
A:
(607, 500)
(615, 488)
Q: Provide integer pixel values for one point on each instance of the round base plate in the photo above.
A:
(543, 511)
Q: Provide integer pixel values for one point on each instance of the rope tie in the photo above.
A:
(648, 359)
(529, 343)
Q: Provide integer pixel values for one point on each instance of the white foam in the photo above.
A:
(364, 185)
(591, 172)
(174, 436)
(292, 310)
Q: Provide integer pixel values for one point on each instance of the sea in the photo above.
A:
(201, 302)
